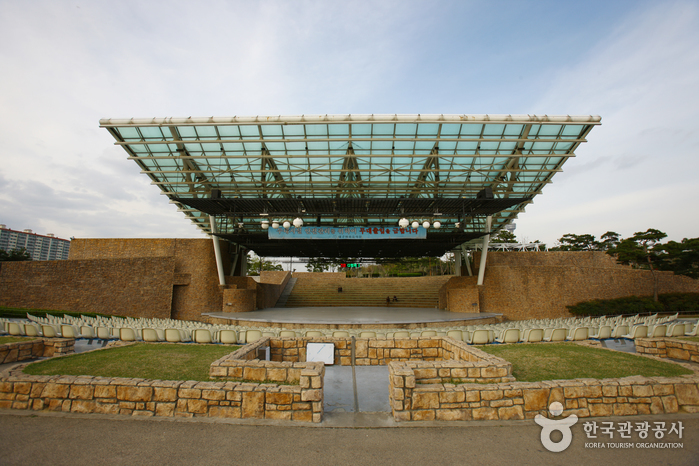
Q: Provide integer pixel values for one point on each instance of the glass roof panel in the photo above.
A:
(249, 131)
(271, 131)
(129, 133)
(383, 130)
(151, 132)
(340, 130)
(206, 132)
(293, 130)
(427, 130)
(317, 130)
(471, 130)
(406, 129)
(450, 129)
(229, 131)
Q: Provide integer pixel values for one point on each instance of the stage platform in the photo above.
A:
(352, 317)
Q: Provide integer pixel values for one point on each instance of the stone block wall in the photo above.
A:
(140, 397)
(411, 401)
(535, 285)
(674, 348)
(136, 287)
(32, 349)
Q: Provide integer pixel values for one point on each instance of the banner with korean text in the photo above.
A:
(321, 233)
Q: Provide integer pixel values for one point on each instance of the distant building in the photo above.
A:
(40, 247)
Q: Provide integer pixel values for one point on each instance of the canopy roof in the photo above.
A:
(352, 170)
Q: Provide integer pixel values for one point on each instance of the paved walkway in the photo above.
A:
(39, 438)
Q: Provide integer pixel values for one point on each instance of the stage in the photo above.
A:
(347, 317)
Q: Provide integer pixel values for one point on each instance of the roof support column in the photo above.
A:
(484, 249)
(217, 251)
(457, 262)
(467, 258)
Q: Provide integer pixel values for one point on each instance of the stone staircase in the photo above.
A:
(367, 292)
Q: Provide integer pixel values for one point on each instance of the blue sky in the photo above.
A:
(65, 65)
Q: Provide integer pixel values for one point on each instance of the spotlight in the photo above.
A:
(436, 225)
(403, 223)
(298, 223)
(425, 224)
(415, 224)
(287, 225)
(275, 224)
(265, 224)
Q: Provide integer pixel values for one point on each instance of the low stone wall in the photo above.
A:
(255, 397)
(674, 348)
(446, 399)
(381, 351)
(32, 349)
(140, 397)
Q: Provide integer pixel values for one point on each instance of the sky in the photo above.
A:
(64, 65)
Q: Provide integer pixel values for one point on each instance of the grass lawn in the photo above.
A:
(148, 361)
(4, 340)
(555, 361)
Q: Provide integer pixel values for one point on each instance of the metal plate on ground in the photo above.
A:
(320, 352)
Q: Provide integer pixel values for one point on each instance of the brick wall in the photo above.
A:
(195, 264)
(135, 287)
(528, 285)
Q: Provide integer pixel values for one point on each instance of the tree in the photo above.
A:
(317, 265)
(681, 258)
(609, 241)
(504, 236)
(20, 254)
(571, 242)
(642, 250)
(257, 264)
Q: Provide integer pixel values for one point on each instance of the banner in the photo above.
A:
(347, 233)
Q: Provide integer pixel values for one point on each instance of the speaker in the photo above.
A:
(215, 194)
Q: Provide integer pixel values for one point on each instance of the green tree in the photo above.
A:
(641, 250)
(504, 236)
(609, 241)
(20, 254)
(571, 242)
(257, 264)
(317, 265)
(681, 258)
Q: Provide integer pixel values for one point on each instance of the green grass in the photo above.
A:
(147, 361)
(4, 340)
(535, 363)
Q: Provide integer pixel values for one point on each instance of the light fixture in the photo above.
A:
(265, 224)
(275, 224)
(436, 225)
(403, 223)
(287, 225)
(457, 225)
(425, 224)
(298, 223)
(415, 224)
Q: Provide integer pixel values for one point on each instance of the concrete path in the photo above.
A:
(30, 438)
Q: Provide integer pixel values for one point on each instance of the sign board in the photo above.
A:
(372, 233)
(320, 352)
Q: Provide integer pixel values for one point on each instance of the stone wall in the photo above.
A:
(256, 396)
(196, 290)
(674, 348)
(32, 349)
(448, 401)
(535, 285)
(136, 287)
